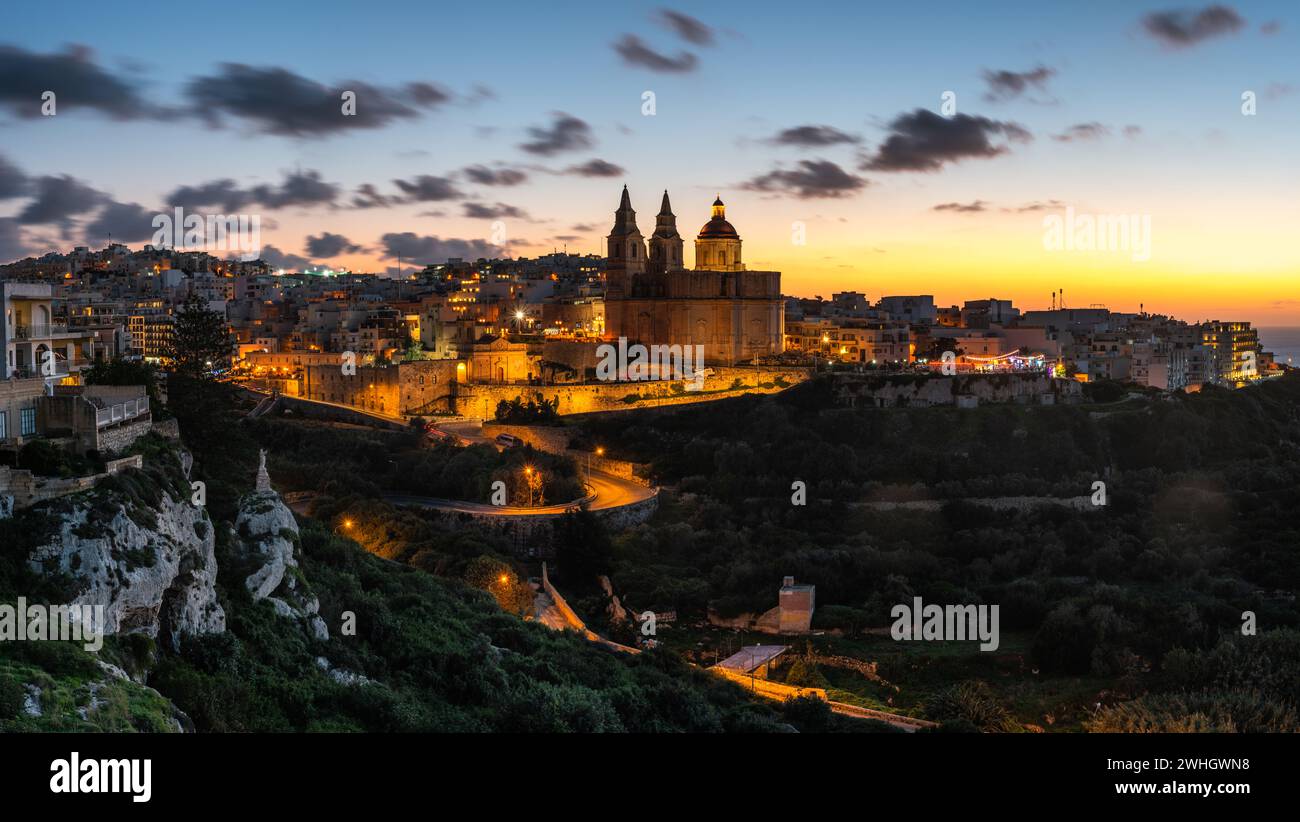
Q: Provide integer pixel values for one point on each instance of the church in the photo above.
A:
(652, 298)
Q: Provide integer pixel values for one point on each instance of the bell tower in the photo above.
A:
(665, 244)
(626, 250)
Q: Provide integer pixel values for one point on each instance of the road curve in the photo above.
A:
(607, 491)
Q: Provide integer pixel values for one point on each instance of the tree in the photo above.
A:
(200, 340)
(125, 372)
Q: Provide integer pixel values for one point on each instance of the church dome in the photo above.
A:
(718, 228)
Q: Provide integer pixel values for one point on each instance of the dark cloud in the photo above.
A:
(567, 238)
(685, 27)
(1049, 205)
(278, 101)
(636, 53)
(125, 222)
(279, 259)
(367, 196)
(13, 182)
(428, 188)
(924, 141)
(812, 137)
(1082, 131)
(972, 207)
(57, 199)
(1179, 28)
(584, 227)
(595, 168)
(812, 179)
(566, 133)
(330, 245)
(1270, 27)
(76, 80)
(494, 177)
(12, 245)
(481, 211)
(299, 188)
(428, 250)
(1007, 85)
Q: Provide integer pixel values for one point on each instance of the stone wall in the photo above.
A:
(963, 390)
(120, 437)
(481, 400)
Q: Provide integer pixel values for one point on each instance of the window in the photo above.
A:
(4, 425)
(28, 421)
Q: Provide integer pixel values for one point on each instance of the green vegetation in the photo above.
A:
(1199, 527)
(537, 411)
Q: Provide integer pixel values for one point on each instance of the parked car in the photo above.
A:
(508, 441)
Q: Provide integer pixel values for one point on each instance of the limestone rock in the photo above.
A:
(155, 576)
(269, 535)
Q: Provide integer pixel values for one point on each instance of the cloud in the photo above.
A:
(12, 245)
(299, 188)
(583, 227)
(924, 141)
(972, 207)
(685, 27)
(1049, 205)
(812, 179)
(1007, 85)
(494, 177)
(566, 133)
(636, 53)
(278, 101)
(330, 245)
(76, 80)
(1082, 131)
(367, 196)
(595, 168)
(58, 199)
(13, 182)
(1270, 27)
(279, 259)
(1181, 28)
(126, 222)
(428, 250)
(1132, 132)
(480, 211)
(812, 137)
(1274, 91)
(428, 188)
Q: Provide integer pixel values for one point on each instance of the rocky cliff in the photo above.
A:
(139, 548)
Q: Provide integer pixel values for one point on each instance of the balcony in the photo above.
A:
(42, 332)
(121, 412)
(62, 368)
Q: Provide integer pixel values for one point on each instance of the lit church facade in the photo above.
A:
(652, 298)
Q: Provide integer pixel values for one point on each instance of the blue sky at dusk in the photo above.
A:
(1105, 107)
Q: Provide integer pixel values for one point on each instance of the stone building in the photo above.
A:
(416, 387)
(652, 298)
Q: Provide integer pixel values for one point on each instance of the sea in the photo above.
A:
(1283, 341)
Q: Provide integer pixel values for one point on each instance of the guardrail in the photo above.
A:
(121, 411)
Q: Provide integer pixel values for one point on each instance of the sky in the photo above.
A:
(886, 148)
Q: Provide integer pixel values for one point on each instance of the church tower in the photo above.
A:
(717, 248)
(626, 250)
(665, 244)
